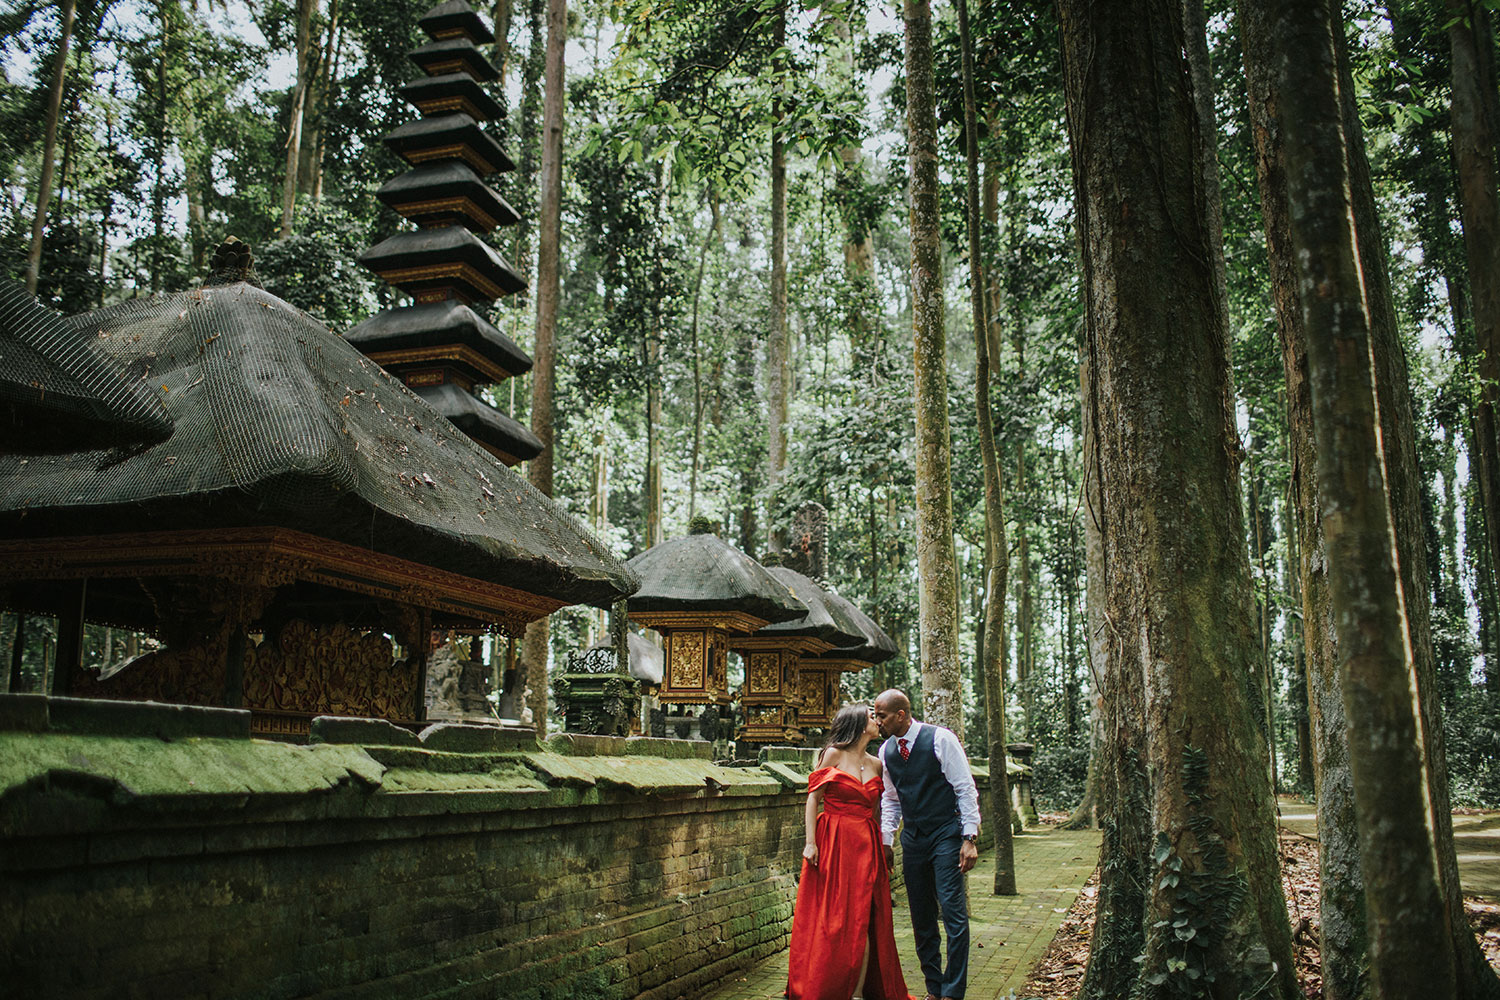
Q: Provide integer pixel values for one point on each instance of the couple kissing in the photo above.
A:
(843, 940)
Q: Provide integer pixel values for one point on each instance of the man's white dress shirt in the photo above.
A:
(955, 765)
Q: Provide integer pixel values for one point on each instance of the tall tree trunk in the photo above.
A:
(777, 343)
(532, 69)
(543, 372)
(1410, 948)
(1474, 121)
(996, 556)
(1183, 650)
(49, 145)
(1341, 899)
(305, 10)
(501, 56)
(937, 589)
(696, 350)
(1096, 638)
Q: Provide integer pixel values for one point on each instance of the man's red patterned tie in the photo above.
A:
(905, 750)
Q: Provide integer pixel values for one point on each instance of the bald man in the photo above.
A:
(930, 795)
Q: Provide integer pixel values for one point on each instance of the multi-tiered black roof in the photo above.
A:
(439, 346)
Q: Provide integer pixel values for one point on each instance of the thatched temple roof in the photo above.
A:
(278, 422)
(58, 389)
(705, 573)
(824, 620)
(876, 646)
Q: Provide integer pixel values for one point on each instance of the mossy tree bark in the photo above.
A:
(1190, 881)
(1341, 902)
(996, 556)
(937, 613)
(1410, 945)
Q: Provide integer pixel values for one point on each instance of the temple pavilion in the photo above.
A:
(698, 591)
(303, 509)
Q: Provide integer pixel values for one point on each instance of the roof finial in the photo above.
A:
(232, 262)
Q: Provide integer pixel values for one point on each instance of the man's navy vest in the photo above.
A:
(929, 807)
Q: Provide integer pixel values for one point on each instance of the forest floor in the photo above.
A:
(1059, 973)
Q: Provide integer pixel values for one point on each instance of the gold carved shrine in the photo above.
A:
(696, 652)
(771, 697)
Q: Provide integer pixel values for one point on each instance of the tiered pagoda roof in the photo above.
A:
(439, 346)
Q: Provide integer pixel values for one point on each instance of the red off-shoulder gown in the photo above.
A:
(845, 900)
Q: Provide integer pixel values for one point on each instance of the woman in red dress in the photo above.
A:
(843, 944)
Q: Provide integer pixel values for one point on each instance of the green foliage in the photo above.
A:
(1203, 893)
(314, 269)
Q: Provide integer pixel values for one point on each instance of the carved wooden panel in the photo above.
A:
(764, 675)
(686, 672)
(191, 675)
(329, 671)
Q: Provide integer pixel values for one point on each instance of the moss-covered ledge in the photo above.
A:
(158, 850)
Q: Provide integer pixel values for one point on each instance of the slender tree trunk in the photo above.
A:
(305, 10)
(527, 165)
(1178, 598)
(777, 340)
(1410, 949)
(696, 350)
(1096, 639)
(49, 145)
(549, 238)
(937, 591)
(501, 58)
(991, 632)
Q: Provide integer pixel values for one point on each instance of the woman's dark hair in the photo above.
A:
(847, 725)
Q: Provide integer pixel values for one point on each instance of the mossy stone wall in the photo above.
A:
(178, 865)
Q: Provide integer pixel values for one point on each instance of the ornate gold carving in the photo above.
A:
(447, 105)
(190, 676)
(458, 204)
(329, 671)
(764, 676)
(686, 650)
(436, 272)
(814, 687)
(669, 621)
(461, 353)
(460, 150)
(273, 557)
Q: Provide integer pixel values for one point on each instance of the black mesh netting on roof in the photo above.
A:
(706, 573)
(279, 422)
(57, 389)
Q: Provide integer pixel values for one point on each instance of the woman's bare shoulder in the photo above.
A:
(879, 767)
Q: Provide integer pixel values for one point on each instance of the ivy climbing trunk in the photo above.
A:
(1189, 884)
(996, 555)
(937, 587)
(543, 372)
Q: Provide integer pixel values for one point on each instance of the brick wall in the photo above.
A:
(158, 851)
(214, 867)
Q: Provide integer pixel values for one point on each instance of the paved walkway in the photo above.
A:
(1476, 839)
(1008, 933)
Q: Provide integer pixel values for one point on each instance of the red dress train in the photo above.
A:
(845, 900)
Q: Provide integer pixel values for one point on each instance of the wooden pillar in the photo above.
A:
(16, 650)
(69, 639)
(422, 650)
